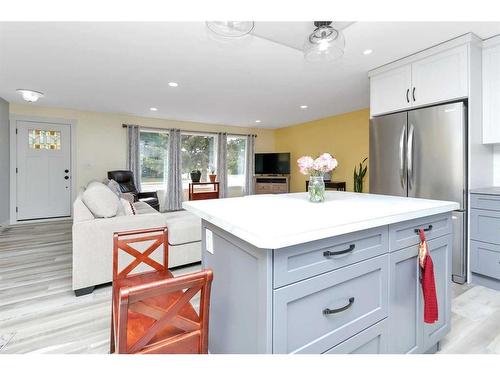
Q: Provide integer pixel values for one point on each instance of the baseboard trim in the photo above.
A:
(486, 281)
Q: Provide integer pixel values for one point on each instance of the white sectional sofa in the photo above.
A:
(93, 240)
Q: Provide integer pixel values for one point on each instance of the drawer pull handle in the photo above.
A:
(425, 229)
(329, 253)
(328, 311)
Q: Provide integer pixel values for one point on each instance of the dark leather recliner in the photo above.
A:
(126, 181)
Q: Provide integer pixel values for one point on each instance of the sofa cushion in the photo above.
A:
(142, 208)
(100, 200)
(183, 227)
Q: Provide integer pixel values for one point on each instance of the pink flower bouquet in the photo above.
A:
(317, 167)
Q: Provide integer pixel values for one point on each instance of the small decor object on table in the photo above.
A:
(315, 169)
(359, 176)
(195, 175)
(212, 176)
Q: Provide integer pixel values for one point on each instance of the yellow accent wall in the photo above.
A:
(344, 136)
(101, 142)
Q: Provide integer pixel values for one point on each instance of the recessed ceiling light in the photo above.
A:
(154, 109)
(303, 106)
(173, 84)
(367, 51)
(30, 95)
(258, 121)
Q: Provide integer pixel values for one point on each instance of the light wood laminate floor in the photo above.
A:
(39, 312)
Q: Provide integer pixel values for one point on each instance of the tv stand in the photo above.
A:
(272, 184)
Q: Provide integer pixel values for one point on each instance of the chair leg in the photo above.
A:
(112, 335)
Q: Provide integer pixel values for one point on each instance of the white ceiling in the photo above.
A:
(126, 67)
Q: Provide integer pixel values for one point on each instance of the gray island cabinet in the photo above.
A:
(353, 289)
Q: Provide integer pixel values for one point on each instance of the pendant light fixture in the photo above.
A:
(325, 43)
(231, 29)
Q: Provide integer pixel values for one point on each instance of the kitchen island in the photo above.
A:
(341, 276)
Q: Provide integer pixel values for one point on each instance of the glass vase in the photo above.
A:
(316, 189)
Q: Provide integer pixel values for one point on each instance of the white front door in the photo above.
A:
(43, 170)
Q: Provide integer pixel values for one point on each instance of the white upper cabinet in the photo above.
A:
(390, 91)
(491, 94)
(440, 77)
(433, 78)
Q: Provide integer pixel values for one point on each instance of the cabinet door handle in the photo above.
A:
(407, 95)
(328, 311)
(425, 229)
(413, 94)
(329, 253)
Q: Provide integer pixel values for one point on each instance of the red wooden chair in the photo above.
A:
(151, 310)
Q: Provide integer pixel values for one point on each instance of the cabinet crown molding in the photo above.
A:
(455, 42)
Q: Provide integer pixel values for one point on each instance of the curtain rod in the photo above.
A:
(191, 131)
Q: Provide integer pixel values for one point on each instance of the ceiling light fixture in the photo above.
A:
(325, 43)
(367, 51)
(173, 84)
(231, 29)
(154, 109)
(30, 95)
(258, 121)
(304, 106)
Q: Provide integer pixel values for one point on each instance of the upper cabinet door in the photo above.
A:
(390, 91)
(440, 77)
(491, 94)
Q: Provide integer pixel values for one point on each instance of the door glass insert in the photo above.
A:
(44, 139)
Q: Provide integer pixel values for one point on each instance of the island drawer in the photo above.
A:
(485, 202)
(307, 260)
(314, 315)
(372, 340)
(485, 225)
(485, 259)
(403, 234)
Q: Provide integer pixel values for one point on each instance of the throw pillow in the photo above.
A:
(115, 188)
(100, 200)
(128, 207)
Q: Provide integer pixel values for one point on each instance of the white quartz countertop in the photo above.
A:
(281, 220)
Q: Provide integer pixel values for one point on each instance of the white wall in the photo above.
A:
(4, 162)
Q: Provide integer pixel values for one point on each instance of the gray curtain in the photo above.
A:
(250, 165)
(222, 164)
(133, 154)
(173, 194)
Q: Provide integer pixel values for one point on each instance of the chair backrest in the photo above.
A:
(131, 243)
(174, 325)
(125, 179)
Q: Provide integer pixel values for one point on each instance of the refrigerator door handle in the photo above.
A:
(409, 155)
(402, 172)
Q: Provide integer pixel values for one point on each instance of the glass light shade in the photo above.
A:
(30, 95)
(231, 29)
(324, 44)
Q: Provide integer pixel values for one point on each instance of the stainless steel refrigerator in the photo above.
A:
(422, 153)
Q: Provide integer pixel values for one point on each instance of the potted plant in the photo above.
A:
(359, 175)
(195, 175)
(315, 168)
(212, 176)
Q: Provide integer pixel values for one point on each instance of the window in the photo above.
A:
(153, 150)
(39, 139)
(236, 155)
(197, 152)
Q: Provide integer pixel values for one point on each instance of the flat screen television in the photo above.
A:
(272, 163)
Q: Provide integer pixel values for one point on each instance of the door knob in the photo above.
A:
(66, 177)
